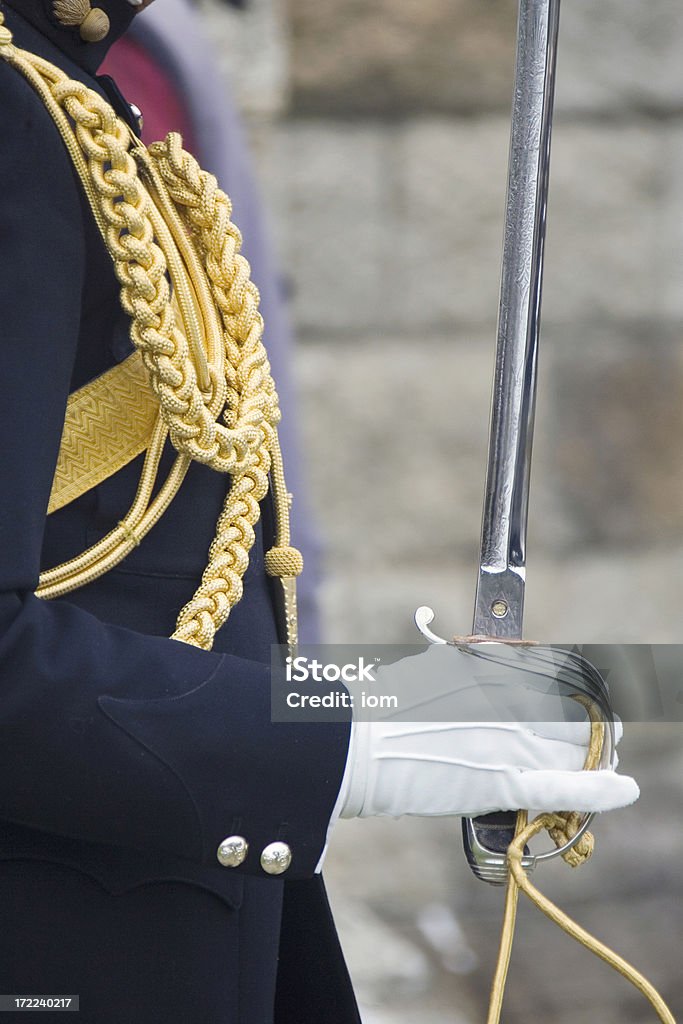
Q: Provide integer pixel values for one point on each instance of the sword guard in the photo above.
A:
(487, 837)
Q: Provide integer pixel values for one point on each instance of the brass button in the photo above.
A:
(276, 858)
(232, 851)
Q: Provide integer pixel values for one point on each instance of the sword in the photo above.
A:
(499, 603)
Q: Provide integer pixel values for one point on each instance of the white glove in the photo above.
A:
(473, 766)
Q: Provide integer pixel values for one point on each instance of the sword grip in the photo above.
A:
(485, 840)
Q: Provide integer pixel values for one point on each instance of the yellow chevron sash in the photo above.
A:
(108, 422)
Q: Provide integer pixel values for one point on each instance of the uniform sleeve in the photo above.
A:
(108, 735)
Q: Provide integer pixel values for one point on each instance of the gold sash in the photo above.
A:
(108, 422)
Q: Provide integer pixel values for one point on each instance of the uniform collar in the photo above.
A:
(89, 56)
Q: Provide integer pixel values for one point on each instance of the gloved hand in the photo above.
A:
(483, 761)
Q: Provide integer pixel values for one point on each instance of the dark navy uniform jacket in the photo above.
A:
(126, 757)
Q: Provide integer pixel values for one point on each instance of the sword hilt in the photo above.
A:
(487, 837)
(486, 840)
(499, 608)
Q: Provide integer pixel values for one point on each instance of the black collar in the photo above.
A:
(89, 56)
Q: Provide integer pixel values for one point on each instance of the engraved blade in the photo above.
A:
(499, 602)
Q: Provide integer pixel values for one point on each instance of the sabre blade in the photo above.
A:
(499, 604)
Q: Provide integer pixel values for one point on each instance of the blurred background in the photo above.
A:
(379, 131)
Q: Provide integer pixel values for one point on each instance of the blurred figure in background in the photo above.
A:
(165, 65)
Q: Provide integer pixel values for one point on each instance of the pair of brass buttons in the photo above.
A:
(275, 858)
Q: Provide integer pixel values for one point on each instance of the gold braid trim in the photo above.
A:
(176, 224)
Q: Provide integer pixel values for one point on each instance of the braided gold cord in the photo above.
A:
(197, 246)
(251, 391)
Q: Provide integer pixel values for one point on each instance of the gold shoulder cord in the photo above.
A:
(162, 218)
(205, 362)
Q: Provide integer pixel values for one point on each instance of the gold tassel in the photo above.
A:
(92, 21)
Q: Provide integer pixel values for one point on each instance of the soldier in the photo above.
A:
(161, 837)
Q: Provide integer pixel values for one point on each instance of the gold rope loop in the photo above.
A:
(520, 881)
(562, 827)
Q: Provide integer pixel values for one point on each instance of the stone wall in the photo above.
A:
(387, 181)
